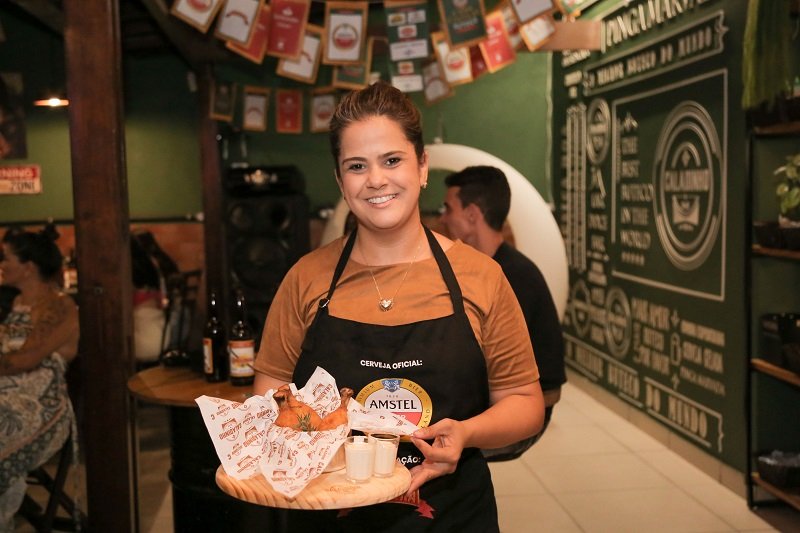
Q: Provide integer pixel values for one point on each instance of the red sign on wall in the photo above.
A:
(20, 179)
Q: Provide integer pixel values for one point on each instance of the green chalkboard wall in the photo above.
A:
(650, 172)
(161, 117)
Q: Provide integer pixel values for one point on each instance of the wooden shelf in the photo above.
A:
(790, 496)
(776, 371)
(780, 128)
(780, 253)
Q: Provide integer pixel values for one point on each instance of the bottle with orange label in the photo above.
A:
(215, 344)
(241, 346)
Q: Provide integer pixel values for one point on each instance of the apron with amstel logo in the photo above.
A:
(425, 371)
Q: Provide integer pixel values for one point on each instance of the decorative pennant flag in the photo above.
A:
(196, 13)
(237, 20)
(527, 10)
(289, 116)
(323, 102)
(345, 31)
(496, 48)
(305, 67)
(254, 108)
(512, 26)
(407, 29)
(573, 8)
(455, 63)
(257, 45)
(223, 100)
(463, 21)
(355, 76)
(436, 87)
(287, 27)
(537, 32)
(407, 75)
(477, 62)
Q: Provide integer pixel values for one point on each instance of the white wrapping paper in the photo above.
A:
(248, 442)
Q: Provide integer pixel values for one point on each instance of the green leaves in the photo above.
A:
(788, 189)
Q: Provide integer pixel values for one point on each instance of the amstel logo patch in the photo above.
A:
(400, 396)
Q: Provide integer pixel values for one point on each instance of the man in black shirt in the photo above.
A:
(476, 205)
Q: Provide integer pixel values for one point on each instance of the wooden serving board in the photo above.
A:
(327, 491)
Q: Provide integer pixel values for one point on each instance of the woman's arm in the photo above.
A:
(263, 383)
(514, 414)
(54, 330)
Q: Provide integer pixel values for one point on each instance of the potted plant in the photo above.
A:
(788, 194)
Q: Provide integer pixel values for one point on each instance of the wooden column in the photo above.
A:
(94, 86)
(213, 196)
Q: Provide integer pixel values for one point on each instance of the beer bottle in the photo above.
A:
(241, 345)
(215, 344)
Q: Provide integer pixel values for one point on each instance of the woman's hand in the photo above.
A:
(441, 457)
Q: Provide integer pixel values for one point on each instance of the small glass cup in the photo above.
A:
(359, 453)
(385, 453)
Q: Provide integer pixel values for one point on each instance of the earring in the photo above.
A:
(425, 185)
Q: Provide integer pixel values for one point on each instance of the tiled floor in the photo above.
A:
(591, 472)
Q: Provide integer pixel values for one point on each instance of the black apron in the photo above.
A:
(426, 371)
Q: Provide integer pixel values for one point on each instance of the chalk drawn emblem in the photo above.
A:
(581, 308)
(687, 183)
(598, 119)
(618, 322)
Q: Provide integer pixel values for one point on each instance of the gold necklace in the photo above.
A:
(385, 304)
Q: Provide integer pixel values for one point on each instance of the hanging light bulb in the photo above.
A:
(50, 97)
(52, 100)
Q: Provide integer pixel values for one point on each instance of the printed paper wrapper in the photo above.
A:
(248, 442)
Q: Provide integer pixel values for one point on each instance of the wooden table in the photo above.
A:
(179, 386)
(197, 503)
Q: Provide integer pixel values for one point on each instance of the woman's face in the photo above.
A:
(12, 270)
(379, 173)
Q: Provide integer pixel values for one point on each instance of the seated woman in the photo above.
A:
(37, 340)
(148, 312)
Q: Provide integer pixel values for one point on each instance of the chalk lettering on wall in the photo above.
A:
(631, 19)
(668, 216)
(677, 48)
(573, 224)
(684, 415)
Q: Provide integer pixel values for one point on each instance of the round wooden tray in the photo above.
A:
(328, 491)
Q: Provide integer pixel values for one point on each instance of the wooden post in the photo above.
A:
(100, 197)
(213, 197)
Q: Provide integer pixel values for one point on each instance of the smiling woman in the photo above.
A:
(392, 292)
(545, 246)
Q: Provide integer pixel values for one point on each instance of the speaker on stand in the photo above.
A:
(267, 231)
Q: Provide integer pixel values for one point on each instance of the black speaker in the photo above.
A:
(277, 179)
(265, 235)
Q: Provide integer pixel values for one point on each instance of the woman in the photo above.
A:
(37, 340)
(148, 313)
(397, 312)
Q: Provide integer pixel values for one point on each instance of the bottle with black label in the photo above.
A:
(215, 344)
(241, 346)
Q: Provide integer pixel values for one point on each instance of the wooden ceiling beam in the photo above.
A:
(45, 12)
(195, 48)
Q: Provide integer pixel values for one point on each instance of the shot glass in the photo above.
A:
(385, 453)
(359, 454)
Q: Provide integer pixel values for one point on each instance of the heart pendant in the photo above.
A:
(385, 305)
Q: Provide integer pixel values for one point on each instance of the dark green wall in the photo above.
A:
(162, 148)
(657, 310)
